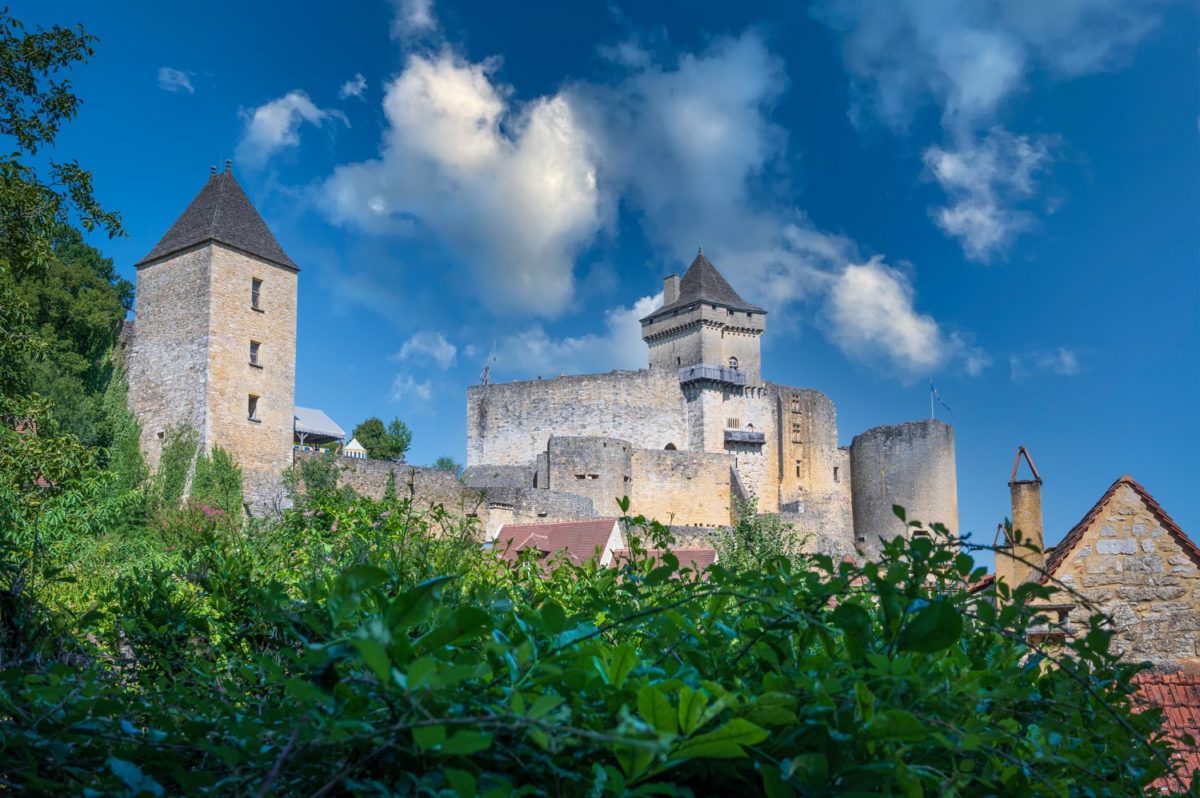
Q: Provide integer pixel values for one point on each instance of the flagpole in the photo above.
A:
(932, 414)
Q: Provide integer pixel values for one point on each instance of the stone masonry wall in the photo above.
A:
(909, 464)
(684, 488)
(425, 486)
(1133, 570)
(598, 469)
(167, 363)
(511, 423)
(262, 447)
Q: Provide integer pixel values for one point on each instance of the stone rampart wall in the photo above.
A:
(511, 423)
(499, 476)
(424, 485)
(596, 468)
(684, 488)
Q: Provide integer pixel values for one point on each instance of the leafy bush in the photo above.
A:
(348, 649)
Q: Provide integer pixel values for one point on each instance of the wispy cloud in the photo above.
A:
(412, 18)
(275, 126)
(968, 58)
(428, 346)
(1059, 360)
(408, 390)
(171, 79)
(353, 87)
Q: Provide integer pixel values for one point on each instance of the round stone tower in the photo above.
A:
(909, 464)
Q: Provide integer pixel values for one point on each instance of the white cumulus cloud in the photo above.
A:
(985, 181)
(275, 126)
(428, 347)
(353, 87)
(511, 190)
(872, 316)
(406, 389)
(170, 79)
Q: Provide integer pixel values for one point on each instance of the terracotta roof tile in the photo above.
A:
(1179, 696)
(579, 539)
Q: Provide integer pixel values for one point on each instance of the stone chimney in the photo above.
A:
(1021, 564)
(670, 288)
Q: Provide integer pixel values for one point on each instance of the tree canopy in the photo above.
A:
(384, 443)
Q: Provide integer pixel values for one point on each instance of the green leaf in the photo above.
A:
(467, 742)
(376, 657)
(462, 781)
(691, 708)
(544, 705)
(132, 777)
(723, 743)
(656, 710)
(429, 738)
(935, 627)
(462, 622)
(412, 606)
(899, 512)
(895, 724)
(618, 664)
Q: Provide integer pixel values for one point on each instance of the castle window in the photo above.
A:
(254, 345)
(733, 423)
(795, 403)
(835, 473)
(733, 363)
(797, 432)
(670, 447)
(252, 408)
(255, 293)
(797, 468)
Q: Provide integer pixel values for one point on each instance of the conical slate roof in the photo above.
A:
(703, 283)
(221, 212)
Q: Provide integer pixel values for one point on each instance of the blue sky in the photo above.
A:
(1000, 196)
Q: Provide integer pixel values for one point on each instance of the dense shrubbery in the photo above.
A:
(344, 648)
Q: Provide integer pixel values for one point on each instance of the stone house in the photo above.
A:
(700, 428)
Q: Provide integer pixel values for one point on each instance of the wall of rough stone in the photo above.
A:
(1133, 570)
(167, 361)
(680, 487)
(531, 506)
(499, 476)
(707, 334)
(595, 468)
(511, 423)
(424, 485)
(910, 464)
(262, 447)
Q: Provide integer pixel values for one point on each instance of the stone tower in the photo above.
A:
(703, 322)
(214, 341)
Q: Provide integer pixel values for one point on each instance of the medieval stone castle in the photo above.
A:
(213, 347)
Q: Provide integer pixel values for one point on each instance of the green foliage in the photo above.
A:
(121, 429)
(217, 482)
(348, 649)
(389, 487)
(756, 539)
(384, 443)
(179, 449)
(447, 463)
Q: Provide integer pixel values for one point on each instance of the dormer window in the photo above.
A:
(255, 293)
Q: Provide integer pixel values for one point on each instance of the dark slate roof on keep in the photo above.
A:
(703, 283)
(221, 212)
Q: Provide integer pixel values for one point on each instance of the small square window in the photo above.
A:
(254, 346)
(252, 408)
(255, 293)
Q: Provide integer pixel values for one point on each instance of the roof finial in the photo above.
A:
(212, 170)
(228, 166)
(701, 252)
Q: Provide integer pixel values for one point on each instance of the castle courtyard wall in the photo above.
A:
(681, 487)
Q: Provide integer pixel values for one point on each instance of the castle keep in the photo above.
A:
(700, 428)
(213, 345)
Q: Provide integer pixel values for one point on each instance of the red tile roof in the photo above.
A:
(1179, 696)
(579, 539)
(1056, 555)
(696, 559)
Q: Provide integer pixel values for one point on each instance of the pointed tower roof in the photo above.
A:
(703, 283)
(221, 212)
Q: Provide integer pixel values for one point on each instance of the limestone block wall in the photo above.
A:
(593, 467)
(263, 447)
(682, 487)
(425, 486)
(167, 361)
(531, 506)
(1133, 570)
(910, 464)
(673, 344)
(499, 476)
(511, 423)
